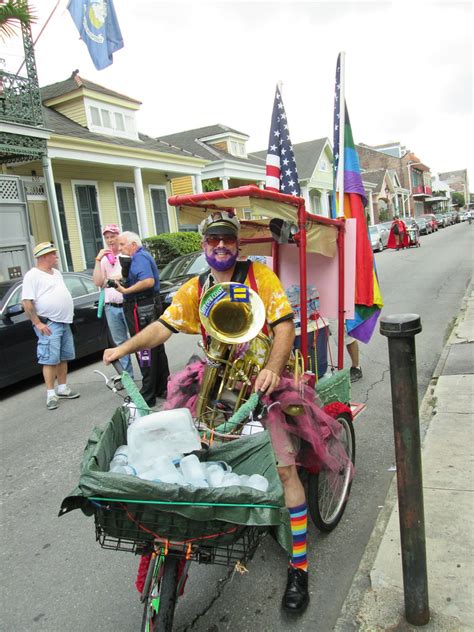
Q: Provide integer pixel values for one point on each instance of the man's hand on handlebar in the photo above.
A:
(267, 381)
(111, 355)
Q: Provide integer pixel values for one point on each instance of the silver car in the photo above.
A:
(378, 237)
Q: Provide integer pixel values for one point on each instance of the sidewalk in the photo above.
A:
(375, 601)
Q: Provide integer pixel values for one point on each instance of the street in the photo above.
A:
(57, 576)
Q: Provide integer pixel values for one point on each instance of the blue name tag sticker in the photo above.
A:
(239, 293)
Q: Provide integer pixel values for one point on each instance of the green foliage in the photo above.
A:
(384, 215)
(458, 198)
(211, 185)
(12, 14)
(168, 246)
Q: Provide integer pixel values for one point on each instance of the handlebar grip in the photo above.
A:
(118, 367)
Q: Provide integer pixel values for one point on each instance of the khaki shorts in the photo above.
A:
(285, 445)
(333, 329)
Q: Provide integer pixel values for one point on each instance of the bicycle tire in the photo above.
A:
(160, 600)
(328, 492)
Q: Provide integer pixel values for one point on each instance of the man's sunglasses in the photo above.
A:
(216, 240)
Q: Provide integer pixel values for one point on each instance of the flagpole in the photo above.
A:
(342, 122)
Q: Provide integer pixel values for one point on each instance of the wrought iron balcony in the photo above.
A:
(20, 100)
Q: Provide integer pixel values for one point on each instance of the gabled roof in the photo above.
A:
(190, 140)
(75, 82)
(375, 177)
(64, 126)
(307, 156)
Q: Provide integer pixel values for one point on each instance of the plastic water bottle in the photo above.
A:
(256, 481)
(121, 454)
(214, 474)
(244, 480)
(230, 479)
(120, 468)
(162, 470)
(192, 469)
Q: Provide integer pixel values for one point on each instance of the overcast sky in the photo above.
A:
(192, 64)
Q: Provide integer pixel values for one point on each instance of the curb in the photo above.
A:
(361, 584)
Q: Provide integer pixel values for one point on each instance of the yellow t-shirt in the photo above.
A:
(183, 314)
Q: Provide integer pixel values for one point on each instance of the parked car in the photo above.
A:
(378, 237)
(431, 219)
(177, 272)
(442, 220)
(18, 339)
(424, 226)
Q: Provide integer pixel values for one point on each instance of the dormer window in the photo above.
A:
(104, 118)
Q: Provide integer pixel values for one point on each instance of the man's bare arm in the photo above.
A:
(269, 377)
(30, 311)
(153, 335)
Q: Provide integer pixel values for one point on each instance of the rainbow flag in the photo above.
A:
(368, 298)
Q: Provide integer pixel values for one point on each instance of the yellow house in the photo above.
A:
(99, 169)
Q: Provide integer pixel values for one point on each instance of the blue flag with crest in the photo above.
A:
(97, 24)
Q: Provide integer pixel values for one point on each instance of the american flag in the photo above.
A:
(281, 173)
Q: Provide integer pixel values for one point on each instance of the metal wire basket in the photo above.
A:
(136, 527)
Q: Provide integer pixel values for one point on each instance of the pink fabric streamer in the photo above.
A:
(320, 433)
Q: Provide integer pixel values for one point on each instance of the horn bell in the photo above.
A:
(232, 313)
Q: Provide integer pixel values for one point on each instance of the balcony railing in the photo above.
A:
(20, 100)
(421, 190)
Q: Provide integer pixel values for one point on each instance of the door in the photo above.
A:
(127, 208)
(88, 209)
(160, 211)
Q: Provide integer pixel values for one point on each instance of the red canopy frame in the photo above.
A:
(210, 201)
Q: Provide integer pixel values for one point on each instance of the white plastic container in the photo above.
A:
(162, 470)
(256, 481)
(192, 469)
(165, 433)
(121, 454)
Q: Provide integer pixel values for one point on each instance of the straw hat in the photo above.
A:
(44, 248)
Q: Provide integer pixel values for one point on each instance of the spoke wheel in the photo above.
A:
(160, 595)
(328, 492)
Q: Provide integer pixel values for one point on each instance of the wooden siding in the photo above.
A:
(221, 145)
(74, 110)
(182, 186)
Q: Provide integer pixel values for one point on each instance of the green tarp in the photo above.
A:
(247, 455)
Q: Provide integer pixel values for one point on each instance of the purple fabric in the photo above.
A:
(364, 331)
(353, 184)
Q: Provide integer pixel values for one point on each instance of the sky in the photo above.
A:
(194, 64)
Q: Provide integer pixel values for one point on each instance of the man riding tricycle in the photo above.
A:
(251, 377)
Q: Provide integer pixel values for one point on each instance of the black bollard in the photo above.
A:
(401, 330)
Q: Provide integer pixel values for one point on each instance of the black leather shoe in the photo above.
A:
(296, 596)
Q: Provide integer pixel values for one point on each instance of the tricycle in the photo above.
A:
(172, 525)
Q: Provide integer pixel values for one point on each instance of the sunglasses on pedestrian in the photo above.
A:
(215, 240)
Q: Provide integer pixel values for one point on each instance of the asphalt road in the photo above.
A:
(56, 577)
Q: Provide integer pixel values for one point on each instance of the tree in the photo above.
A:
(457, 198)
(13, 13)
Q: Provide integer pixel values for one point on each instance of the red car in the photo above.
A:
(431, 220)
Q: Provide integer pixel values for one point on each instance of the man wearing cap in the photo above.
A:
(220, 242)
(142, 305)
(49, 305)
(107, 266)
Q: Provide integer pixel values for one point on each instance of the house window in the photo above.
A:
(106, 118)
(323, 165)
(95, 116)
(119, 122)
(127, 208)
(111, 120)
(160, 210)
(247, 213)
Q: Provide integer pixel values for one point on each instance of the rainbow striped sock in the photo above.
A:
(299, 529)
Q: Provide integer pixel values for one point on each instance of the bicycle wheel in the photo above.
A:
(161, 594)
(328, 492)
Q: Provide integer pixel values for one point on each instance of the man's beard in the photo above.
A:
(221, 265)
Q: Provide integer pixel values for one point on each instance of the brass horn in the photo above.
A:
(232, 314)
